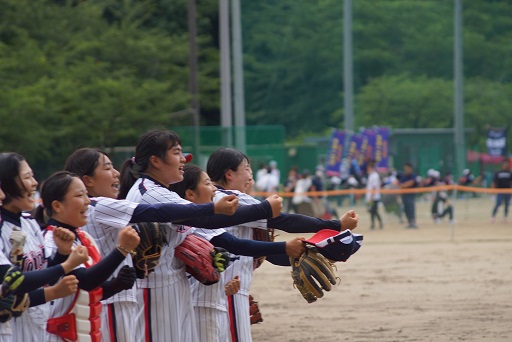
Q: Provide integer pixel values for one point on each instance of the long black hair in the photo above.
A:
(10, 175)
(222, 160)
(153, 143)
(83, 162)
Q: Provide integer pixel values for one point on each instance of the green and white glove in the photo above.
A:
(220, 258)
(13, 278)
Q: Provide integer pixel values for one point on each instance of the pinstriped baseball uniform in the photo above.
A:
(210, 305)
(5, 328)
(32, 324)
(105, 217)
(165, 311)
(238, 307)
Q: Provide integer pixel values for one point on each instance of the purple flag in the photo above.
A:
(354, 146)
(335, 153)
(381, 149)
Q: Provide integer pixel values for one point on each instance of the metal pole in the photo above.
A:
(460, 148)
(348, 78)
(193, 82)
(225, 74)
(238, 76)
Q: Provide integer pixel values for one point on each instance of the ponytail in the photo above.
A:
(40, 216)
(152, 143)
(127, 177)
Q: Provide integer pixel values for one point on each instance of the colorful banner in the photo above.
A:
(368, 151)
(381, 149)
(497, 142)
(370, 144)
(354, 146)
(335, 153)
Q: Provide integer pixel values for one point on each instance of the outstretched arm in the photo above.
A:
(296, 223)
(170, 212)
(245, 213)
(279, 260)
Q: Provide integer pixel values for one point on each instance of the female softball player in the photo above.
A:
(23, 248)
(165, 311)
(210, 305)
(77, 317)
(230, 171)
(95, 169)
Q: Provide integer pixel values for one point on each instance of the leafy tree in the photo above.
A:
(98, 73)
(72, 79)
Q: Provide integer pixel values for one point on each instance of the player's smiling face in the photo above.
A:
(28, 185)
(170, 169)
(105, 181)
(239, 179)
(204, 191)
(73, 208)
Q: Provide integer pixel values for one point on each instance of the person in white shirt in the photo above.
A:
(373, 194)
(301, 188)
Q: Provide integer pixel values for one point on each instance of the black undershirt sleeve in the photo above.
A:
(57, 259)
(91, 278)
(36, 297)
(169, 212)
(279, 260)
(245, 213)
(248, 247)
(296, 223)
(108, 290)
(35, 279)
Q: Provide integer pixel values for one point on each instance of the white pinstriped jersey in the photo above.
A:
(32, 323)
(5, 328)
(212, 296)
(105, 217)
(165, 311)
(242, 265)
(33, 251)
(169, 269)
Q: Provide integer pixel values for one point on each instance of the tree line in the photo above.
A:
(98, 73)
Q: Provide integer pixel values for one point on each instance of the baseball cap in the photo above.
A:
(335, 245)
(188, 157)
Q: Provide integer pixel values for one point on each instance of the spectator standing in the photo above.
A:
(408, 181)
(261, 173)
(274, 170)
(318, 181)
(502, 180)
(268, 182)
(373, 194)
(302, 203)
(392, 202)
(289, 186)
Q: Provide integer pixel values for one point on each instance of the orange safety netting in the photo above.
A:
(454, 187)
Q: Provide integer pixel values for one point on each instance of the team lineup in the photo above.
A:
(109, 255)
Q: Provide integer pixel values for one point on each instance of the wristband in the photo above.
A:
(132, 252)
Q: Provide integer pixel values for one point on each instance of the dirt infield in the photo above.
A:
(404, 285)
